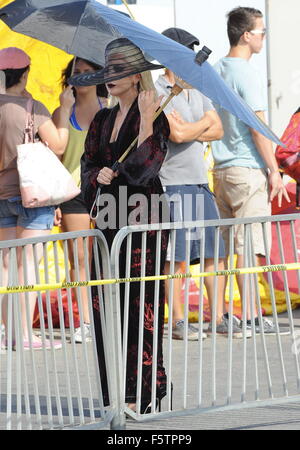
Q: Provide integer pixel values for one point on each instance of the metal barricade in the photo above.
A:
(58, 386)
(61, 387)
(218, 373)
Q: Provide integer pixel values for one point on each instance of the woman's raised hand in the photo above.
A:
(67, 98)
(148, 105)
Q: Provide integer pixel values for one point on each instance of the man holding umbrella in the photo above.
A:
(192, 120)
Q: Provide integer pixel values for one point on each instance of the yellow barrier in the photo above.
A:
(64, 285)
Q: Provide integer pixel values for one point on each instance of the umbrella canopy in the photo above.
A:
(71, 25)
(85, 27)
(47, 64)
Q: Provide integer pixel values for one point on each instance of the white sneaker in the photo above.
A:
(87, 333)
(192, 334)
(2, 338)
(223, 327)
(268, 327)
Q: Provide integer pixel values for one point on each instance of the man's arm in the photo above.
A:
(215, 131)
(265, 149)
(208, 128)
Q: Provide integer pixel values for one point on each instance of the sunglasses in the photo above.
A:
(263, 31)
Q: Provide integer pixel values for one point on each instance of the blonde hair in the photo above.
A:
(145, 84)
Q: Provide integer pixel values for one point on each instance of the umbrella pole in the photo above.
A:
(128, 9)
(73, 65)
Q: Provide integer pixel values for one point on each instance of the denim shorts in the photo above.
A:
(190, 203)
(13, 214)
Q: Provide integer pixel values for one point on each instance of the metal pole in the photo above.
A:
(174, 11)
(268, 49)
(128, 9)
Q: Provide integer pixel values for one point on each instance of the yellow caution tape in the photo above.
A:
(76, 284)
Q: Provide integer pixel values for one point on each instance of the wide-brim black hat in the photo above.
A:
(181, 36)
(122, 59)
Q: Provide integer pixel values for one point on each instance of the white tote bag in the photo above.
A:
(44, 181)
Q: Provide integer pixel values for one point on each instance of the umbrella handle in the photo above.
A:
(96, 204)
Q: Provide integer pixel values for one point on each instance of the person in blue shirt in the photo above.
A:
(246, 175)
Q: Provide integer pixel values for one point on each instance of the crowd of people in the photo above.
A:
(100, 114)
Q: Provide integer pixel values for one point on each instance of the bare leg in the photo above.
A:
(240, 282)
(5, 234)
(209, 284)
(21, 233)
(78, 222)
(177, 283)
(31, 277)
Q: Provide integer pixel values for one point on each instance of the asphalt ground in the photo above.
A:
(281, 413)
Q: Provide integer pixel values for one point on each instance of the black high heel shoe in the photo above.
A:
(146, 407)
